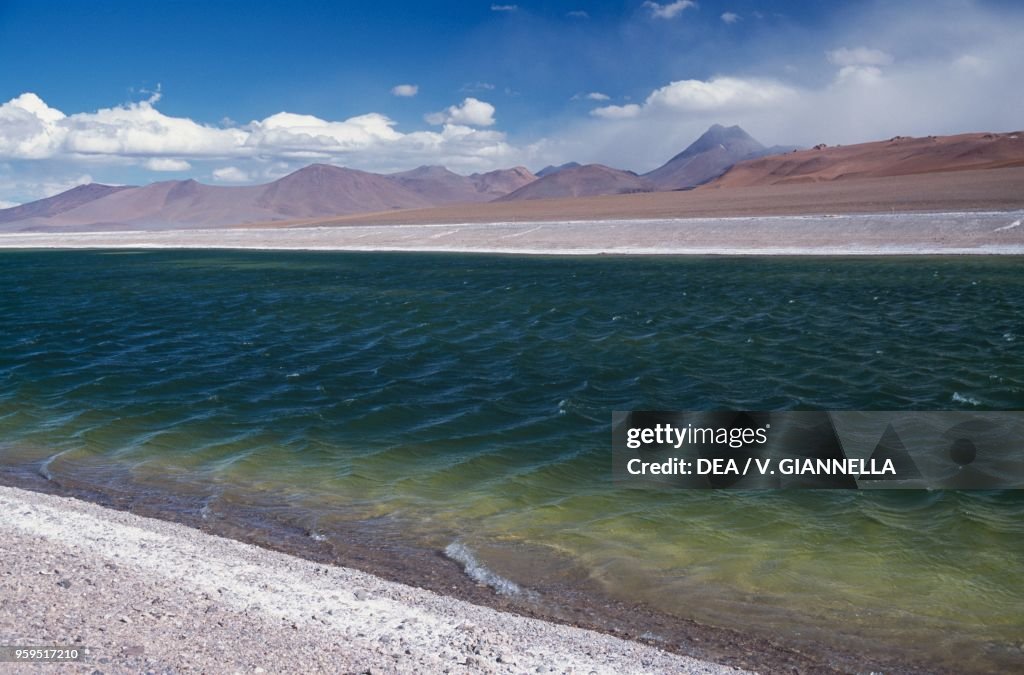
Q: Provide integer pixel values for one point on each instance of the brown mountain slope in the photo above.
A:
(168, 203)
(65, 201)
(322, 188)
(581, 181)
(502, 181)
(438, 185)
(898, 156)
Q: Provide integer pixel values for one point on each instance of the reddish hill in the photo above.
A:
(899, 156)
(581, 181)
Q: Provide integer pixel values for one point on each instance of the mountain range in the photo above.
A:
(322, 190)
(316, 190)
(722, 157)
(707, 158)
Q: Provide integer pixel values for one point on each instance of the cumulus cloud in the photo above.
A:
(730, 17)
(291, 135)
(140, 129)
(405, 90)
(719, 93)
(30, 129)
(858, 56)
(230, 174)
(597, 96)
(4, 204)
(715, 95)
(670, 10)
(166, 164)
(617, 112)
(138, 134)
(472, 112)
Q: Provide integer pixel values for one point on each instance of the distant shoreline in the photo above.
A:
(887, 234)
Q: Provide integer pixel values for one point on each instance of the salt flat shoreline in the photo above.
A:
(937, 233)
(144, 594)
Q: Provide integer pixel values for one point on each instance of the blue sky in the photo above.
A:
(236, 92)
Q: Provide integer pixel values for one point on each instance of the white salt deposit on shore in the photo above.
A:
(147, 595)
(981, 233)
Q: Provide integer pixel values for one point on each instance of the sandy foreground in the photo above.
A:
(147, 595)
(992, 232)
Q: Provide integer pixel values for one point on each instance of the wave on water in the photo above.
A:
(44, 468)
(479, 572)
(961, 398)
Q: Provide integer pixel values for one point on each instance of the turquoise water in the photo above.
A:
(468, 399)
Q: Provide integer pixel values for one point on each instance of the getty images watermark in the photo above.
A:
(843, 450)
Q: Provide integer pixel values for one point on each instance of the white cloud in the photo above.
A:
(405, 90)
(577, 14)
(230, 174)
(858, 56)
(859, 74)
(716, 96)
(730, 17)
(290, 135)
(669, 11)
(617, 112)
(30, 129)
(597, 96)
(504, 8)
(166, 164)
(471, 112)
(4, 204)
(138, 134)
(139, 129)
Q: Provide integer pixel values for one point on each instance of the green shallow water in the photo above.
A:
(458, 398)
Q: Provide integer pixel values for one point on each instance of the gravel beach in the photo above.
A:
(144, 595)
